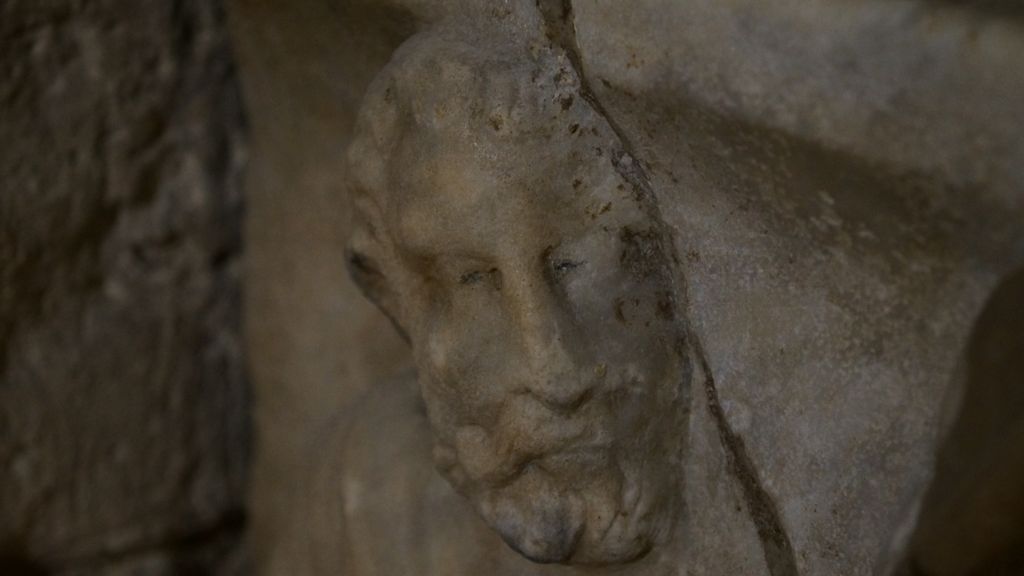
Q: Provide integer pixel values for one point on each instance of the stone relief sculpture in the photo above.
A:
(536, 293)
(687, 283)
(504, 226)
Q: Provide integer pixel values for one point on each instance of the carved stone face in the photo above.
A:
(535, 293)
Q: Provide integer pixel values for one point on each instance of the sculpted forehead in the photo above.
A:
(463, 198)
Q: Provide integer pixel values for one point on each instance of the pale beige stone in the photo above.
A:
(839, 183)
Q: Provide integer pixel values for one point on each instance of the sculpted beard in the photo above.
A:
(594, 486)
(532, 285)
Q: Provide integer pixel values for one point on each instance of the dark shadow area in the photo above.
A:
(972, 522)
(1011, 9)
(15, 562)
(15, 566)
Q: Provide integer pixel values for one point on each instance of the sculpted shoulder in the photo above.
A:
(399, 516)
(383, 470)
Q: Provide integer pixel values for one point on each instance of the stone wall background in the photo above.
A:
(123, 392)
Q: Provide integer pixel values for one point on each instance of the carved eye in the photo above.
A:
(563, 267)
(478, 276)
(471, 277)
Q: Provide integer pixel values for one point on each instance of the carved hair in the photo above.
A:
(442, 88)
(439, 84)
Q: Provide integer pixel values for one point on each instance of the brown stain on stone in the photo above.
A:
(665, 308)
(641, 252)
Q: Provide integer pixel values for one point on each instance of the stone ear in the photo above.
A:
(368, 275)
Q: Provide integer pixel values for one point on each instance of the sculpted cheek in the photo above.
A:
(453, 376)
(437, 354)
(436, 351)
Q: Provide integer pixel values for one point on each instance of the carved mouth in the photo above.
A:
(586, 456)
(527, 431)
(479, 459)
(561, 508)
(572, 504)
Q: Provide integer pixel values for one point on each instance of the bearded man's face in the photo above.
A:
(537, 300)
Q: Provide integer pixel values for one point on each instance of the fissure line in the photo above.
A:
(559, 19)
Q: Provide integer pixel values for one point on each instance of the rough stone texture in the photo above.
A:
(844, 187)
(123, 400)
(844, 180)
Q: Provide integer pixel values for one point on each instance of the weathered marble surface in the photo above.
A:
(843, 186)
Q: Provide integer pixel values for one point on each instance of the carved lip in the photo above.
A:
(500, 467)
(551, 460)
(526, 432)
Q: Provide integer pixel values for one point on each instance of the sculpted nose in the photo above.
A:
(546, 333)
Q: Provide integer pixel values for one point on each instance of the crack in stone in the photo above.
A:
(559, 21)
(778, 550)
